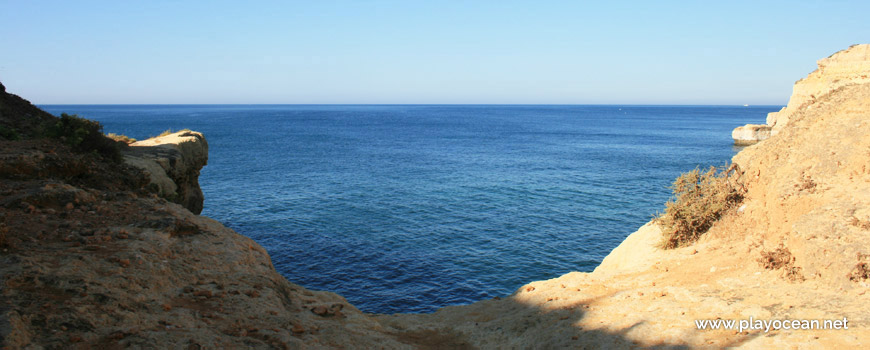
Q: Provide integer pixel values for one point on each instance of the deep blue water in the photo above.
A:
(408, 208)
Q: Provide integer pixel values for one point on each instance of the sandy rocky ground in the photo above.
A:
(95, 257)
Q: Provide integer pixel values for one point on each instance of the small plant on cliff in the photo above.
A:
(8, 133)
(84, 136)
(169, 132)
(121, 138)
(4, 243)
(700, 198)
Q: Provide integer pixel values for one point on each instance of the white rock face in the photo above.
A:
(750, 134)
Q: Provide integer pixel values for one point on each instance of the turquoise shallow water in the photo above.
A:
(407, 208)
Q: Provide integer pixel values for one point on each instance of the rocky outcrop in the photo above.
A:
(750, 134)
(847, 67)
(172, 163)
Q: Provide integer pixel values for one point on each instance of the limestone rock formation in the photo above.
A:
(847, 67)
(173, 163)
(750, 134)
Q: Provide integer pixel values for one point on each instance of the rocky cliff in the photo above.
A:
(847, 67)
(172, 163)
(92, 258)
(92, 255)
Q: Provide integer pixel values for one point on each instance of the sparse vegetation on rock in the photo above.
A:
(775, 259)
(782, 259)
(861, 272)
(169, 132)
(862, 224)
(8, 133)
(84, 135)
(700, 198)
(121, 138)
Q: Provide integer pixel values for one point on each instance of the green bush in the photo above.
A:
(7, 133)
(84, 136)
(700, 198)
(4, 242)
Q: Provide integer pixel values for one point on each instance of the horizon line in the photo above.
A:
(406, 104)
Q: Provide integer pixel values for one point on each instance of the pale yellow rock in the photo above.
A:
(637, 252)
(173, 163)
(750, 134)
(850, 66)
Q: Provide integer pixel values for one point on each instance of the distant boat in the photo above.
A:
(745, 105)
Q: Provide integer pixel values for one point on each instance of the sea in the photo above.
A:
(409, 208)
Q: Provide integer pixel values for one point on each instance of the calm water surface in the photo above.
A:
(404, 208)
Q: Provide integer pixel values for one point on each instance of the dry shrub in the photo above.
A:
(169, 132)
(861, 271)
(862, 224)
(121, 138)
(793, 274)
(806, 184)
(700, 198)
(776, 259)
(781, 258)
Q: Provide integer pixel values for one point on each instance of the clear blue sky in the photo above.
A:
(601, 52)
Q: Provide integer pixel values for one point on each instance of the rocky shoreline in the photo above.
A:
(106, 253)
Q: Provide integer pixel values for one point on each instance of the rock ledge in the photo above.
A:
(173, 163)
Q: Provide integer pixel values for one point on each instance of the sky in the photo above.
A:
(410, 52)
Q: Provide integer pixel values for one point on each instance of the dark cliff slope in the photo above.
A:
(19, 116)
(90, 259)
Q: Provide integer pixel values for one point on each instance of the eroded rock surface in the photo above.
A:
(172, 163)
(91, 258)
(750, 134)
(847, 67)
